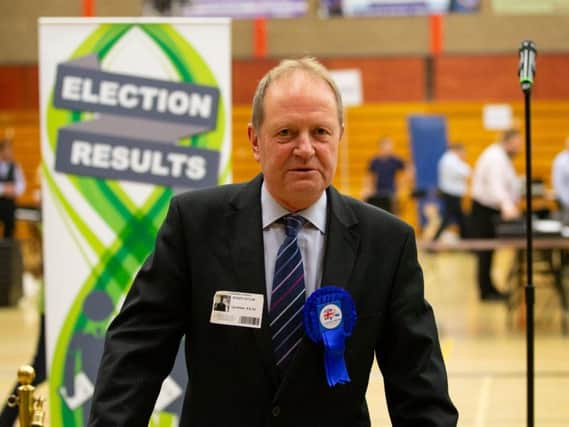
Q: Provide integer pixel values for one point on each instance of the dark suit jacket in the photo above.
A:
(212, 240)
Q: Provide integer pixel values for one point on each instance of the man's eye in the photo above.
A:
(322, 131)
(283, 132)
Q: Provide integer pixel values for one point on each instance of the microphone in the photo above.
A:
(526, 69)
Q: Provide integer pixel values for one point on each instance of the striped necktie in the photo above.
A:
(288, 294)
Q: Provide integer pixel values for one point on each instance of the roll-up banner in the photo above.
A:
(132, 112)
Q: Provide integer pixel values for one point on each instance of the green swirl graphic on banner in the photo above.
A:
(133, 226)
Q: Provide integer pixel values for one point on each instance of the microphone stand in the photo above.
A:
(527, 69)
(529, 288)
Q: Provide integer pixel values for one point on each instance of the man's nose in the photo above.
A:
(304, 147)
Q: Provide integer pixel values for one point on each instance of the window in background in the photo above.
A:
(395, 7)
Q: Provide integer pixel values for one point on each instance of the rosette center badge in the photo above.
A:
(330, 316)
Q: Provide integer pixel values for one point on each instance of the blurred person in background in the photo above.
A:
(33, 265)
(453, 173)
(495, 193)
(560, 180)
(380, 185)
(12, 185)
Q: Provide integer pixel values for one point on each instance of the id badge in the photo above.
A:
(237, 309)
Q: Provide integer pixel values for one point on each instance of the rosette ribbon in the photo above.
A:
(329, 317)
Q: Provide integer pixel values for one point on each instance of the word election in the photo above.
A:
(136, 96)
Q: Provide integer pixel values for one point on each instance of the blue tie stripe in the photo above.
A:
(287, 356)
(285, 285)
(290, 247)
(287, 329)
(285, 262)
(288, 337)
(300, 294)
(288, 294)
(279, 282)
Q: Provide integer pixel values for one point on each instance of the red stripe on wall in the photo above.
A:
(88, 7)
(436, 34)
(260, 37)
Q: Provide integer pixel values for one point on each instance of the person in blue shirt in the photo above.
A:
(381, 180)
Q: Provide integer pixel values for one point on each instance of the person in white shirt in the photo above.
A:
(495, 194)
(453, 173)
(12, 185)
(560, 180)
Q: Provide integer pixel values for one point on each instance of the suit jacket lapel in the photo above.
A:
(247, 252)
(342, 241)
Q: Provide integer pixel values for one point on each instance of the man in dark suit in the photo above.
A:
(225, 240)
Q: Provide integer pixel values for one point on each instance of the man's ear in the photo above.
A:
(254, 140)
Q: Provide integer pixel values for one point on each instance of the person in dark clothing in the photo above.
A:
(382, 170)
(12, 185)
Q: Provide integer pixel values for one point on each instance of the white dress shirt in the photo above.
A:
(560, 177)
(494, 180)
(19, 180)
(453, 174)
(310, 239)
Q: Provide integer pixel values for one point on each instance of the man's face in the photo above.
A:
(386, 147)
(461, 153)
(297, 143)
(513, 145)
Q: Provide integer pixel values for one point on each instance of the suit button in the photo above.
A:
(276, 411)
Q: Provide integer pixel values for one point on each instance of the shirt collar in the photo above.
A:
(272, 211)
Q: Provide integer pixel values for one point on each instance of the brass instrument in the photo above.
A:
(31, 412)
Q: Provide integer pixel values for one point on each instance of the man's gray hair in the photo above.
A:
(287, 66)
(510, 134)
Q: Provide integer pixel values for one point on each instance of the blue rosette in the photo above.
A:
(329, 317)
